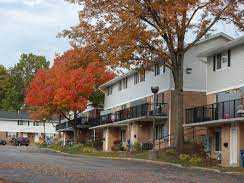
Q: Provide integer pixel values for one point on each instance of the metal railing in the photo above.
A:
(63, 126)
(216, 111)
(135, 112)
(81, 122)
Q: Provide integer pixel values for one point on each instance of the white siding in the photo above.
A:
(11, 126)
(197, 80)
(228, 78)
(139, 90)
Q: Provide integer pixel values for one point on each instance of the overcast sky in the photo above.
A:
(32, 26)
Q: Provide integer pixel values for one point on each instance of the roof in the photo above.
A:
(227, 46)
(14, 115)
(116, 79)
(131, 72)
(215, 36)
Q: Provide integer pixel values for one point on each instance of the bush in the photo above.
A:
(98, 144)
(88, 150)
(136, 147)
(57, 147)
(171, 152)
(184, 158)
(118, 147)
(194, 148)
(196, 161)
(76, 148)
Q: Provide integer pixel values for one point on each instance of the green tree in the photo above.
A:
(4, 79)
(20, 76)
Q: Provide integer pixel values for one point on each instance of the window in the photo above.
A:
(20, 122)
(120, 85)
(164, 68)
(123, 84)
(125, 81)
(122, 136)
(222, 60)
(218, 139)
(136, 78)
(110, 90)
(35, 123)
(142, 75)
(219, 61)
(158, 132)
(156, 69)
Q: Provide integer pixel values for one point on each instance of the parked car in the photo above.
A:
(21, 141)
(3, 142)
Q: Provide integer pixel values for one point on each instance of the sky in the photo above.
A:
(31, 26)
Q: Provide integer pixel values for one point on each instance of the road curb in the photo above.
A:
(148, 161)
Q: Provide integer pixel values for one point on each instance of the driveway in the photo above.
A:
(22, 165)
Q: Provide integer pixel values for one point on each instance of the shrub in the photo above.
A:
(197, 161)
(98, 143)
(118, 147)
(171, 152)
(57, 147)
(76, 148)
(136, 147)
(89, 150)
(184, 158)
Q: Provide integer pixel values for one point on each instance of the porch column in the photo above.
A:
(94, 134)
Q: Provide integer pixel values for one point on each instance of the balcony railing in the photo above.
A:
(161, 109)
(221, 110)
(82, 122)
(63, 126)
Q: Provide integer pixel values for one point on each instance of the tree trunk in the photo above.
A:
(178, 103)
(76, 138)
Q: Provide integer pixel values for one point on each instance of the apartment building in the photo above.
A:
(16, 124)
(132, 113)
(88, 118)
(223, 113)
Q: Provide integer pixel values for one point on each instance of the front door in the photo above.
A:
(233, 146)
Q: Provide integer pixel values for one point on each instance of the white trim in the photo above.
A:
(193, 90)
(225, 89)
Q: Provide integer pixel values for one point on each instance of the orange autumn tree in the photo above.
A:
(67, 85)
(129, 32)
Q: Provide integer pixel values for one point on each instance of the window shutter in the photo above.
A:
(214, 63)
(229, 58)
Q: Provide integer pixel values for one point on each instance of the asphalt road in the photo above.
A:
(21, 164)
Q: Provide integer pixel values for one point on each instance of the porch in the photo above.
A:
(133, 125)
(224, 124)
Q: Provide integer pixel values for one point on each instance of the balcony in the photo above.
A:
(218, 111)
(139, 111)
(65, 126)
(82, 123)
